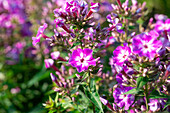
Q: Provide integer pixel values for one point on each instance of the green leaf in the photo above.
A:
(167, 103)
(155, 94)
(56, 98)
(49, 34)
(131, 27)
(73, 27)
(75, 44)
(74, 90)
(50, 92)
(93, 95)
(132, 91)
(64, 62)
(39, 76)
(85, 75)
(70, 77)
(141, 81)
(87, 26)
(140, 21)
(92, 85)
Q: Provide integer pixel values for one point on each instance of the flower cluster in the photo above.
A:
(81, 48)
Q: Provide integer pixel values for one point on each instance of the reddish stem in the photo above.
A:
(56, 69)
(89, 14)
(66, 29)
(44, 36)
(118, 1)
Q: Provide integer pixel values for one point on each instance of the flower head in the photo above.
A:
(55, 55)
(82, 59)
(39, 34)
(156, 104)
(162, 26)
(121, 54)
(146, 45)
(49, 63)
(123, 100)
(95, 7)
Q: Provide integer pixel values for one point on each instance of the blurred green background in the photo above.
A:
(157, 6)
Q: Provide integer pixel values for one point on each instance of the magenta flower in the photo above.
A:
(60, 22)
(55, 55)
(82, 59)
(93, 9)
(40, 34)
(49, 63)
(54, 79)
(162, 26)
(115, 25)
(121, 54)
(60, 13)
(156, 104)
(123, 100)
(160, 17)
(146, 45)
(106, 103)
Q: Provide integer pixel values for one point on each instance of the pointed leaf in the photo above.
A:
(132, 91)
(141, 81)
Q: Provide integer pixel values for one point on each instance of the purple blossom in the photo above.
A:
(121, 79)
(162, 26)
(40, 34)
(106, 103)
(115, 24)
(156, 104)
(12, 10)
(82, 59)
(60, 22)
(160, 17)
(95, 7)
(72, 6)
(106, 6)
(146, 45)
(121, 54)
(13, 52)
(60, 13)
(49, 63)
(123, 100)
(54, 79)
(55, 55)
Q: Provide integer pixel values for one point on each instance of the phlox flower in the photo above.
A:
(82, 59)
(121, 54)
(40, 34)
(162, 26)
(121, 99)
(146, 45)
(156, 104)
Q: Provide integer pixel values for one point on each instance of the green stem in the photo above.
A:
(146, 96)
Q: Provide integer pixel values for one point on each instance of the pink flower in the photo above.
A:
(49, 63)
(93, 9)
(55, 55)
(162, 26)
(82, 59)
(121, 54)
(146, 45)
(40, 34)
(121, 99)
